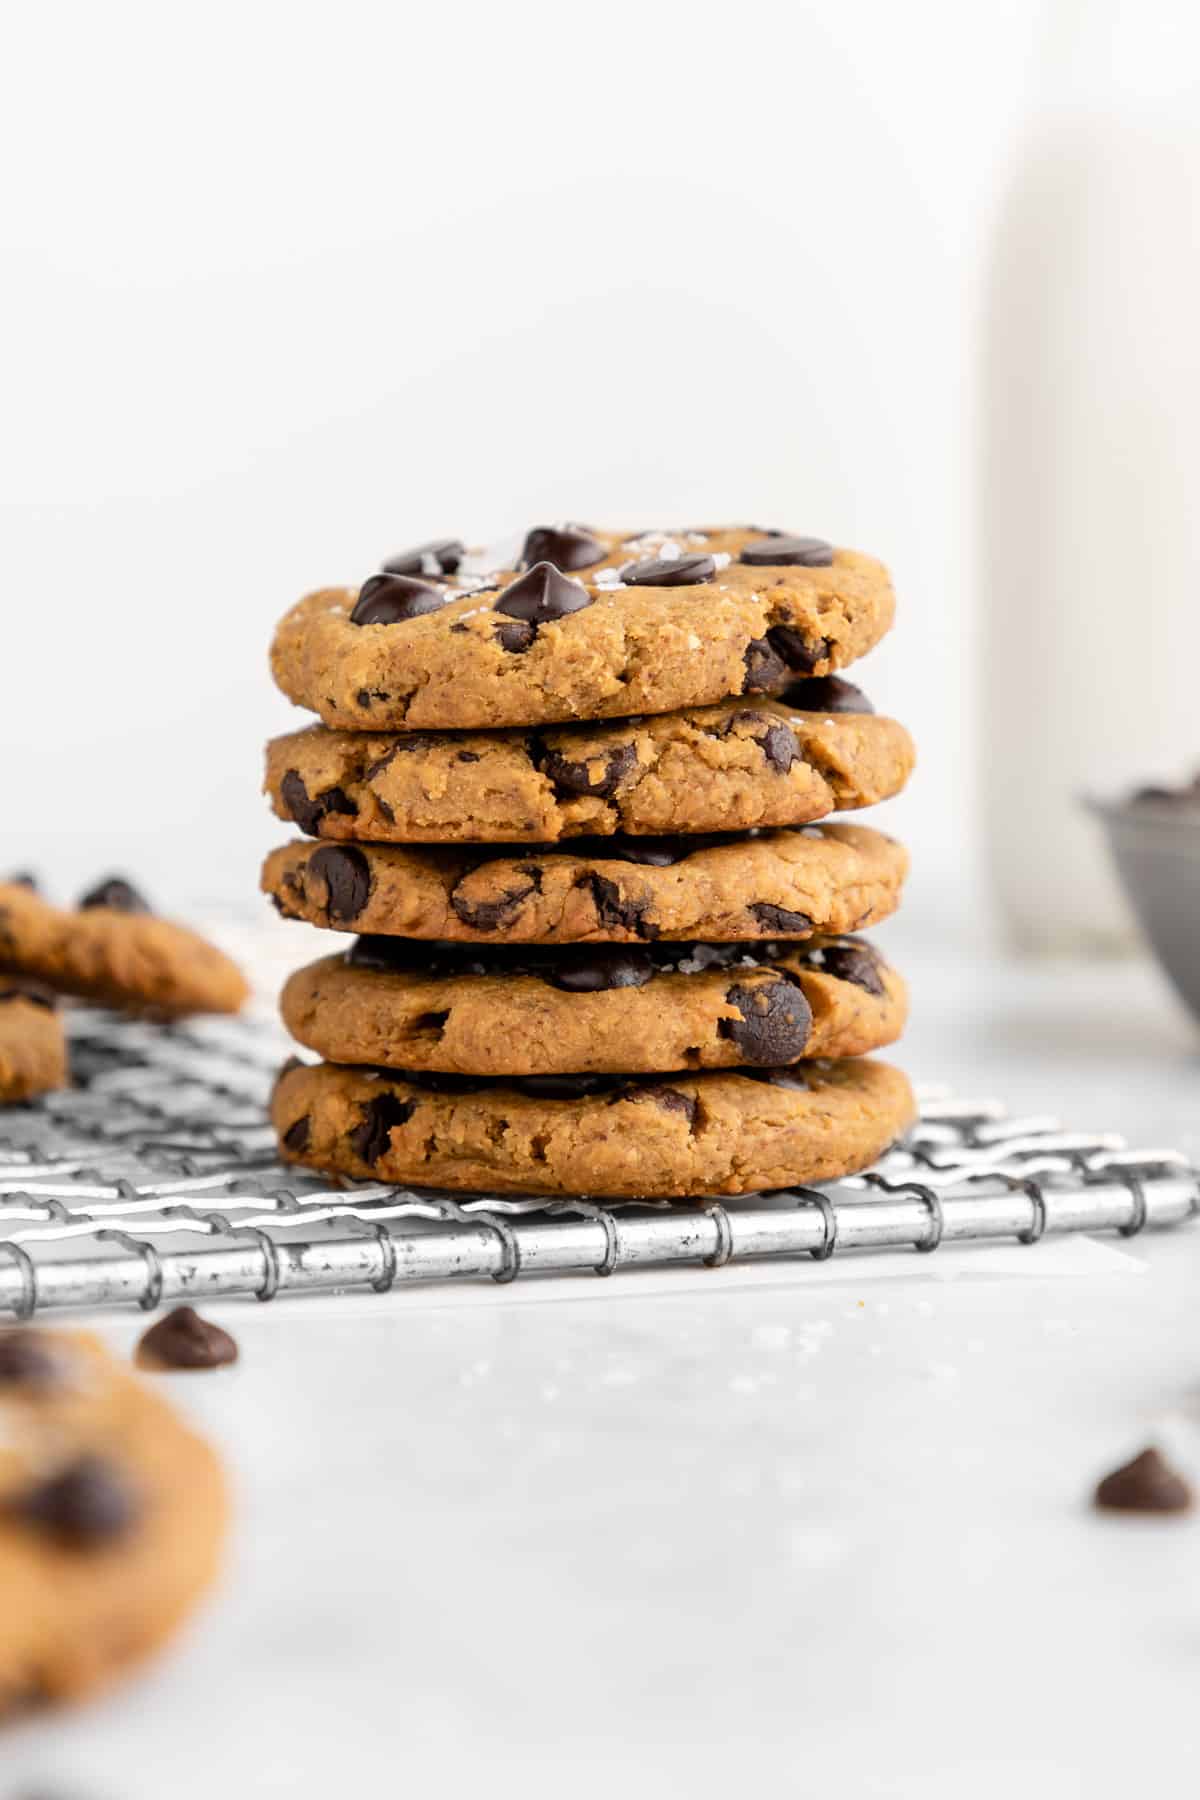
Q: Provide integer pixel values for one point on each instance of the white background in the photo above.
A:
(285, 289)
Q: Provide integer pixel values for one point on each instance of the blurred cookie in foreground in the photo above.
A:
(33, 1049)
(112, 1517)
(113, 950)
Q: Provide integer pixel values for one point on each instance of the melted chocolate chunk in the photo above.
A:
(441, 554)
(778, 918)
(852, 960)
(29, 1360)
(781, 747)
(597, 970)
(765, 668)
(370, 1139)
(297, 1137)
(669, 1099)
(490, 915)
(600, 777)
(116, 894)
(347, 877)
(588, 970)
(87, 1504)
(825, 694)
(788, 552)
(775, 1023)
(514, 635)
(394, 599)
(1148, 1484)
(675, 571)
(183, 1340)
(615, 912)
(566, 546)
(308, 811)
(561, 1087)
(538, 598)
(795, 649)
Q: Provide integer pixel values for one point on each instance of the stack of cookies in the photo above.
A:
(566, 799)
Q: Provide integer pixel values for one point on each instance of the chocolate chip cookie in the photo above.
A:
(818, 878)
(686, 1135)
(579, 624)
(816, 749)
(33, 1048)
(111, 949)
(112, 1516)
(627, 1009)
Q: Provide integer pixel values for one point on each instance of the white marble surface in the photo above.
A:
(821, 1531)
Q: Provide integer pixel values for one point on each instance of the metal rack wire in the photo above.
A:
(155, 1179)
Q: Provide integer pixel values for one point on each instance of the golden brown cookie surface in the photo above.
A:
(588, 625)
(824, 878)
(33, 1048)
(766, 762)
(458, 1009)
(112, 1516)
(112, 950)
(712, 1133)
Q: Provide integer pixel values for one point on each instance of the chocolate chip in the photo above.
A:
(651, 853)
(825, 694)
(795, 649)
(307, 811)
(297, 1137)
(515, 636)
(781, 747)
(386, 953)
(86, 1504)
(466, 756)
(183, 1340)
(394, 599)
(562, 1087)
(370, 1139)
(775, 1023)
(854, 961)
(596, 971)
(347, 877)
(1148, 1484)
(365, 696)
(765, 669)
(785, 552)
(116, 894)
(30, 993)
(674, 571)
(584, 777)
(566, 546)
(778, 918)
(671, 1100)
(613, 911)
(538, 598)
(441, 553)
(490, 915)
(27, 1359)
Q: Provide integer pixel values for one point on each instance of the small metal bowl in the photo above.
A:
(1156, 848)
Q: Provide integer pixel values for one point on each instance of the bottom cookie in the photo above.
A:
(33, 1045)
(112, 1515)
(667, 1137)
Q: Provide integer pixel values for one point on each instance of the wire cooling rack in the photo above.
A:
(155, 1179)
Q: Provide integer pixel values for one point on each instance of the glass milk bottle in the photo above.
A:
(1090, 500)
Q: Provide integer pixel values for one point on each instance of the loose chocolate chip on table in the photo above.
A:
(374, 1135)
(566, 546)
(347, 877)
(443, 553)
(490, 915)
(86, 1504)
(538, 598)
(308, 810)
(27, 1360)
(796, 650)
(298, 1136)
(825, 694)
(778, 918)
(1148, 1484)
(775, 1021)
(393, 599)
(116, 894)
(788, 552)
(183, 1340)
(765, 668)
(856, 962)
(598, 778)
(675, 571)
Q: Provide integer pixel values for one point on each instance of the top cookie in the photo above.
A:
(580, 625)
(114, 951)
